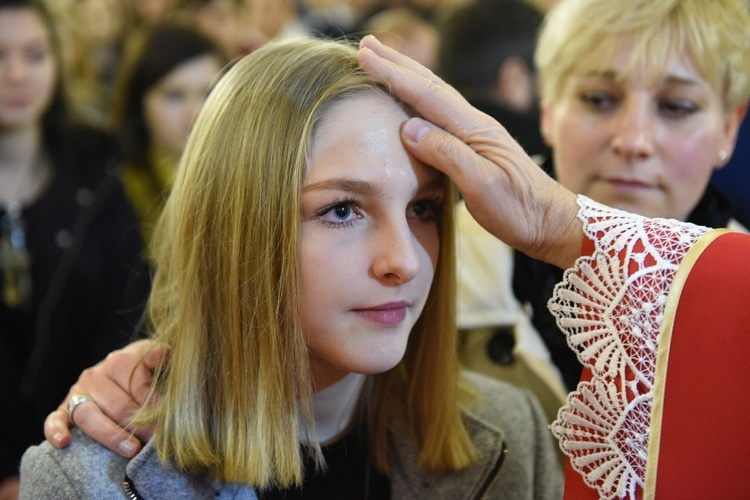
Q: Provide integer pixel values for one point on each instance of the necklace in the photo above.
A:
(15, 259)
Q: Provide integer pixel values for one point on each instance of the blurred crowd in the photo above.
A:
(95, 35)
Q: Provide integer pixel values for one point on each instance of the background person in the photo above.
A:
(641, 103)
(69, 246)
(164, 79)
(487, 54)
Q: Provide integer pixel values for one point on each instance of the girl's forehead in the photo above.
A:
(359, 135)
(358, 116)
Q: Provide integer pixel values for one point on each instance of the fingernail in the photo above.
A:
(127, 448)
(415, 129)
(57, 439)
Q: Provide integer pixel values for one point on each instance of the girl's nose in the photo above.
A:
(395, 254)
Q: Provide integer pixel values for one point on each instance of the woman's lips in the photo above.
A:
(628, 185)
(390, 314)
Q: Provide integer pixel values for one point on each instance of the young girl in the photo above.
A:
(305, 291)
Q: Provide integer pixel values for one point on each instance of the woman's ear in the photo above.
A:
(731, 129)
(546, 123)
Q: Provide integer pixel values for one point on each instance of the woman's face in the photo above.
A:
(27, 68)
(642, 146)
(369, 239)
(171, 106)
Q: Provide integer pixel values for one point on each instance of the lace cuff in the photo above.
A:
(610, 307)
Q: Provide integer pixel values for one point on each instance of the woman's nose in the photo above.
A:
(395, 254)
(634, 132)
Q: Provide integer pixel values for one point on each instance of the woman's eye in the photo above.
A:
(677, 108)
(339, 214)
(599, 101)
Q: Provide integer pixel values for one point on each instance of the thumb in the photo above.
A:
(440, 149)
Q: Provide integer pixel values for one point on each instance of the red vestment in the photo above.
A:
(657, 311)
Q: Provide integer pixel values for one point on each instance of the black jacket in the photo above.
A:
(89, 289)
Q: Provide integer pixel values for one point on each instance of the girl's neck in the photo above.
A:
(23, 169)
(19, 144)
(334, 407)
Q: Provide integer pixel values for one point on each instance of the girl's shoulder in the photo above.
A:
(84, 469)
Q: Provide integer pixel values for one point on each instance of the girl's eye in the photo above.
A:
(174, 96)
(36, 56)
(339, 214)
(427, 209)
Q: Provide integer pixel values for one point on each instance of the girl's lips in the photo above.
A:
(390, 314)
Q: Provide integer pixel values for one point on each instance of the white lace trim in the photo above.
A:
(610, 306)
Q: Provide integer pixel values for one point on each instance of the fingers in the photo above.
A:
(118, 387)
(396, 57)
(57, 428)
(91, 420)
(432, 98)
(131, 369)
(434, 146)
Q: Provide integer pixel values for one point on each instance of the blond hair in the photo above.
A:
(226, 295)
(579, 34)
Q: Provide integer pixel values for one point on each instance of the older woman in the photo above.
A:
(641, 102)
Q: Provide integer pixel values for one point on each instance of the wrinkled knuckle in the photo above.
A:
(87, 375)
(114, 357)
(446, 148)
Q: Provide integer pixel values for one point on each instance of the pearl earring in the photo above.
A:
(722, 155)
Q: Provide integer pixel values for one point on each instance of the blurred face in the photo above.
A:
(171, 106)
(27, 68)
(644, 146)
(369, 240)
(152, 11)
(217, 19)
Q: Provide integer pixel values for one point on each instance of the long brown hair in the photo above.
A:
(226, 295)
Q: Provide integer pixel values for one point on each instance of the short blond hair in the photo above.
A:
(714, 33)
(226, 295)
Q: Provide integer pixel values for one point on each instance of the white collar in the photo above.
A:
(334, 406)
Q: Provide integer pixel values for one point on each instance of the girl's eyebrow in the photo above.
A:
(364, 188)
(436, 185)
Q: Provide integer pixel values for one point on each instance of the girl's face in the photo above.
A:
(369, 239)
(171, 106)
(27, 68)
(642, 146)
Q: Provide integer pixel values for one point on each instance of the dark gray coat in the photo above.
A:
(516, 461)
